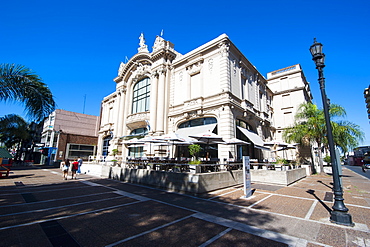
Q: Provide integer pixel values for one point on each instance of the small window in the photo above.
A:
(106, 145)
(243, 124)
(80, 150)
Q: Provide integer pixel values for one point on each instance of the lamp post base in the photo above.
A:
(341, 218)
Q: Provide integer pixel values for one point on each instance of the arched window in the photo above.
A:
(198, 122)
(139, 132)
(208, 150)
(141, 96)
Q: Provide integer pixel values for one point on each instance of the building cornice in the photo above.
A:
(289, 90)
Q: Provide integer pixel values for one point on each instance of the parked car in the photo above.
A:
(366, 161)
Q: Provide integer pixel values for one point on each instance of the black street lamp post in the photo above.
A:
(339, 214)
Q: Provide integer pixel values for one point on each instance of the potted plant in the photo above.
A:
(194, 149)
(114, 153)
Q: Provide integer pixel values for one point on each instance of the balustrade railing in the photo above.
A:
(185, 165)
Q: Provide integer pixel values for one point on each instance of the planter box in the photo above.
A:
(194, 182)
(194, 169)
(278, 177)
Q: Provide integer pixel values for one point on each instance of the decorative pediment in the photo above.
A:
(141, 71)
(159, 43)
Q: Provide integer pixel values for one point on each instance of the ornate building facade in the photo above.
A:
(212, 88)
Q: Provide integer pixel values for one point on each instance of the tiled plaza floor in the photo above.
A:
(39, 208)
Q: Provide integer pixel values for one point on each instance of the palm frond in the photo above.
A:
(19, 83)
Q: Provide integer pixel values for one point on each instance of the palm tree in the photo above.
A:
(310, 127)
(14, 131)
(18, 83)
(346, 135)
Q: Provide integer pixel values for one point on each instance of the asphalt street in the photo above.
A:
(359, 171)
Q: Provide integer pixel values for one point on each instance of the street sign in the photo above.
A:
(247, 177)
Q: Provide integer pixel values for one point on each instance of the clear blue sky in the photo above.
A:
(77, 46)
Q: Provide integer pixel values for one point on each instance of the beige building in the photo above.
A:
(212, 88)
(70, 135)
(290, 89)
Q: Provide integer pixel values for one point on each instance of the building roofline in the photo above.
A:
(205, 46)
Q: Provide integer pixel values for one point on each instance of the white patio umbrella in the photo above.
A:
(133, 141)
(173, 137)
(284, 148)
(290, 146)
(208, 138)
(150, 140)
(276, 143)
(234, 141)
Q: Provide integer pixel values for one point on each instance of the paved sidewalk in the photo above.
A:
(38, 208)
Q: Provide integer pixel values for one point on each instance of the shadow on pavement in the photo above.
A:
(312, 192)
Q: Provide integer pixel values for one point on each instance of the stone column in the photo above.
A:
(167, 97)
(153, 102)
(226, 129)
(188, 85)
(122, 99)
(103, 114)
(161, 101)
(100, 145)
(114, 119)
(225, 73)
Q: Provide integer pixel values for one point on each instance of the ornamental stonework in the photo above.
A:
(137, 117)
(195, 67)
(224, 47)
(141, 71)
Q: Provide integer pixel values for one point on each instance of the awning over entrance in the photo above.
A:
(253, 137)
(186, 132)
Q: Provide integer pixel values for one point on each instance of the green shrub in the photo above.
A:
(115, 151)
(194, 162)
(281, 161)
(327, 159)
(194, 149)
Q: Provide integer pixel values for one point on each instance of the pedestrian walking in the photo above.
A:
(79, 160)
(64, 166)
(74, 169)
(364, 168)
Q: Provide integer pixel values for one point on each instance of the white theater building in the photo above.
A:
(212, 88)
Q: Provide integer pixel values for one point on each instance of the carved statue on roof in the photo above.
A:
(120, 70)
(143, 47)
